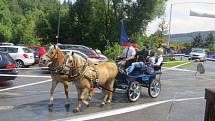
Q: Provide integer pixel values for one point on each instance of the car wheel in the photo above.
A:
(19, 64)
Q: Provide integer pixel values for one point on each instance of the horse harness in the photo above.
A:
(92, 78)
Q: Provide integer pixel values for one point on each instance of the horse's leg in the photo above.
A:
(51, 98)
(105, 98)
(110, 94)
(66, 84)
(90, 92)
(80, 98)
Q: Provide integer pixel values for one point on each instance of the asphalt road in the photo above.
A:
(30, 103)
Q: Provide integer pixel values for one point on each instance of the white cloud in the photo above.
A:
(181, 21)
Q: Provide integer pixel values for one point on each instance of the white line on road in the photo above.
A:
(122, 110)
(179, 69)
(35, 68)
(176, 66)
(37, 76)
(187, 99)
(6, 107)
(25, 85)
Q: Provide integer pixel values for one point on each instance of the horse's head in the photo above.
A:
(74, 60)
(54, 52)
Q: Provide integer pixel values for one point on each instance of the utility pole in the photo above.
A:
(58, 26)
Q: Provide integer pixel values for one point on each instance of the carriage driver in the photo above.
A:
(129, 53)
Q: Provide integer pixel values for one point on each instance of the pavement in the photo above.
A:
(181, 99)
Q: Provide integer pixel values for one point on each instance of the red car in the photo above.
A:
(84, 49)
(40, 50)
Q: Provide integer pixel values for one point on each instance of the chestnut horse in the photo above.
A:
(59, 73)
(88, 77)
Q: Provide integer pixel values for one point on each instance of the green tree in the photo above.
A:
(209, 40)
(198, 41)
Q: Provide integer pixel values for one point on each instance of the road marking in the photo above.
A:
(179, 69)
(25, 85)
(176, 66)
(121, 110)
(10, 94)
(35, 68)
(173, 61)
(187, 99)
(36, 76)
(6, 107)
(112, 112)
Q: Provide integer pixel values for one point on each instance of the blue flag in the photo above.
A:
(123, 37)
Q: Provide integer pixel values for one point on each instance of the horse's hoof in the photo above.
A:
(89, 98)
(75, 110)
(88, 105)
(108, 102)
(102, 104)
(50, 105)
(50, 109)
(67, 105)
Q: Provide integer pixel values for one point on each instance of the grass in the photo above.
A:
(175, 63)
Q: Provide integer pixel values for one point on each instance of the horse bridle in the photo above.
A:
(74, 70)
(52, 58)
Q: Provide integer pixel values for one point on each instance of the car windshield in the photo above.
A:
(27, 50)
(198, 51)
(35, 49)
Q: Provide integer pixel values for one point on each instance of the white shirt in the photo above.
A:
(160, 60)
(130, 51)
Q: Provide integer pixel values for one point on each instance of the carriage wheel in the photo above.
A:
(134, 91)
(154, 88)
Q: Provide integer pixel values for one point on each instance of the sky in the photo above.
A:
(182, 22)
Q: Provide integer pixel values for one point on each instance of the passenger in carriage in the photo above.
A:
(152, 62)
(141, 58)
(158, 59)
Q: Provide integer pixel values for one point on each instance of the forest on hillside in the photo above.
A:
(89, 22)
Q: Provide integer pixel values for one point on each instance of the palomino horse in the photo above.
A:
(87, 77)
(58, 73)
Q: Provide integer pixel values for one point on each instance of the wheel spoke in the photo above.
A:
(131, 94)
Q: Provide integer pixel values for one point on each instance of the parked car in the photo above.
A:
(22, 55)
(36, 56)
(84, 49)
(44, 60)
(40, 50)
(89, 60)
(198, 53)
(7, 66)
(7, 44)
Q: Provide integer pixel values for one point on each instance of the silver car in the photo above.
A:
(198, 53)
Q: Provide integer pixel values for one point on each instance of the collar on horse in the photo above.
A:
(78, 75)
(56, 68)
(92, 78)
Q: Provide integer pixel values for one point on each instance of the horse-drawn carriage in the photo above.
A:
(87, 77)
(138, 78)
